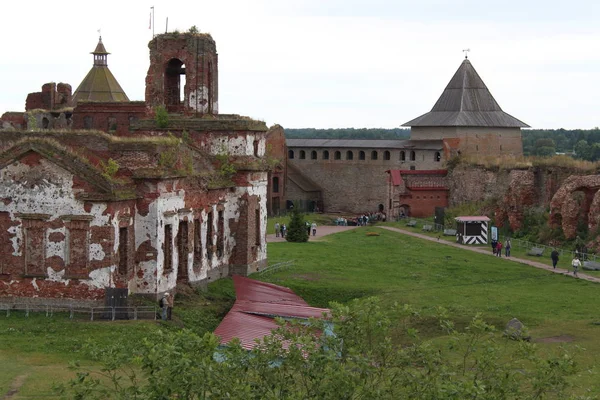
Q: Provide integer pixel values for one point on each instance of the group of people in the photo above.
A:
(554, 256)
(280, 230)
(497, 248)
(575, 263)
(312, 227)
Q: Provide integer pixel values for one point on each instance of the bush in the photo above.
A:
(161, 117)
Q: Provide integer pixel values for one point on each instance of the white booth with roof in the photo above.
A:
(472, 229)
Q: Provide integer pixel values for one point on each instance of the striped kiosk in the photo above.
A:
(472, 230)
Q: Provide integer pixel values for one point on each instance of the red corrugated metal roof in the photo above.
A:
(471, 218)
(395, 177)
(252, 290)
(253, 313)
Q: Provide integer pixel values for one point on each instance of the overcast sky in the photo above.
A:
(327, 63)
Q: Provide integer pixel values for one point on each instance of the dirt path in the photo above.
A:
(321, 231)
(488, 252)
(14, 387)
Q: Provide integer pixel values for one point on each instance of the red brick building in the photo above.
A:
(120, 197)
(416, 193)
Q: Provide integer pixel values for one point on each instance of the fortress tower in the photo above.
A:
(183, 74)
(469, 120)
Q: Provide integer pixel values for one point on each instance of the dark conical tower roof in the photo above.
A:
(467, 101)
(99, 84)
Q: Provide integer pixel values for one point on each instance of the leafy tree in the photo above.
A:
(296, 231)
(582, 150)
(375, 353)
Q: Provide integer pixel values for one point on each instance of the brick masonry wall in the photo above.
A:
(199, 55)
(115, 118)
(474, 140)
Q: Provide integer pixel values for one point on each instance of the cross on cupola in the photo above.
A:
(100, 54)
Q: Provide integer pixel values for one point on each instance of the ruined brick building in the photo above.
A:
(97, 191)
(403, 176)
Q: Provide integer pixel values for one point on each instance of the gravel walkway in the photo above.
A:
(489, 253)
(321, 231)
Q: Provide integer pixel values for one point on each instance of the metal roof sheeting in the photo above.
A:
(99, 85)
(366, 143)
(472, 219)
(467, 101)
(258, 303)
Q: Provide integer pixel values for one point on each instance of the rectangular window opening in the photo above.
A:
(221, 234)
(209, 236)
(123, 250)
(168, 245)
(182, 250)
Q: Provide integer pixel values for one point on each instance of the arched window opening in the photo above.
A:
(386, 155)
(402, 155)
(349, 155)
(337, 155)
(255, 144)
(174, 84)
(291, 154)
(325, 155)
(275, 184)
(438, 156)
(374, 155)
(413, 156)
(302, 154)
(45, 123)
(313, 155)
(361, 155)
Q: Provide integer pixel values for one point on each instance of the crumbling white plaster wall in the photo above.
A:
(47, 189)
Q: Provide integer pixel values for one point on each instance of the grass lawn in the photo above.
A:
(403, 269)
(340, 267)
(36, 351)
(564, 261)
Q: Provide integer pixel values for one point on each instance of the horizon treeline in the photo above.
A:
(581, 143)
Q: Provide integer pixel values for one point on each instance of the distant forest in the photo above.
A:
(582, 144)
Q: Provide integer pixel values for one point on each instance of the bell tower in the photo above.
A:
(183, 74)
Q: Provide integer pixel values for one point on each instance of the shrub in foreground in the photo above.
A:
(361, 360)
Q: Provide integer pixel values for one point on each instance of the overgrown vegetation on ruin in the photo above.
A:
(508, 162)
(161, 116)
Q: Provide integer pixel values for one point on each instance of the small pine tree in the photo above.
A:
(297, 232)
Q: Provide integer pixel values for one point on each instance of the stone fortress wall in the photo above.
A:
(354, 179)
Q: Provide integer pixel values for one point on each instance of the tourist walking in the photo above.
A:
(166, 303)
(314, 228)
(507, 247)
(283, 230)
(554, 257)
(277, 227)
(499, 249)
(494, 243)
(575, 264)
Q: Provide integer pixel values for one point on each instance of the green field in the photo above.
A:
(397, 268)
